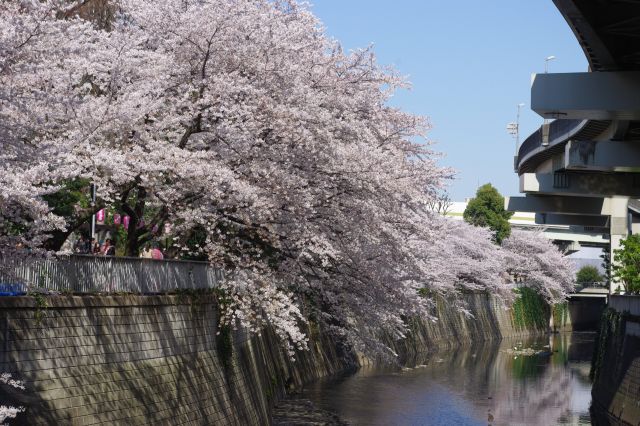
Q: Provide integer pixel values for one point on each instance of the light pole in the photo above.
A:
(545, 122)
(513, 128)
(546, 63)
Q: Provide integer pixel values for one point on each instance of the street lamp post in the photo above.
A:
(545, 122)
(546, 63)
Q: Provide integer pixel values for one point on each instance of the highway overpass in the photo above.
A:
(582, 170)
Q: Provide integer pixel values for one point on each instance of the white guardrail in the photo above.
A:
(106, 274)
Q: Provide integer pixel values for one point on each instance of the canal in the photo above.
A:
(536, 381)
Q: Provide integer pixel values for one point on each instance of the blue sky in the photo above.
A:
(470, 63)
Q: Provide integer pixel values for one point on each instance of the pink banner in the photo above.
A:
(116, 219)
(125, 221)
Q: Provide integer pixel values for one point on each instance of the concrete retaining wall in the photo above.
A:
(616, 388)
(583, 313)
(488, 320)
(144, 360)
(157, 360)
(629, 304)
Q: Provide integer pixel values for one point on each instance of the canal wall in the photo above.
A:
(486, 318)
(616, 363)
(158, 360)
(153, 360)
(578, 314)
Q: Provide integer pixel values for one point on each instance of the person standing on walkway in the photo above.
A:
(109, 249)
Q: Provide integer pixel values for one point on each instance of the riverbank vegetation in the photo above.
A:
(530, 311)
(626, 264)
(242, 134)
(610, 338)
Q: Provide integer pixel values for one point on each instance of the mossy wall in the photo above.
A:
(487, 319)
(616, 363)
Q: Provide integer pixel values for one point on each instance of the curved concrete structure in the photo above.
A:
(584, 167)
(607, 31)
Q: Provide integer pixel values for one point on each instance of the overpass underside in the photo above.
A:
(583, 168)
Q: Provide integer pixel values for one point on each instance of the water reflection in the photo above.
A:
(478, 385)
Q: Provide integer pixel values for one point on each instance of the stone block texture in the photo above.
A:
(616, 389)
(156, 360)
(143, 360)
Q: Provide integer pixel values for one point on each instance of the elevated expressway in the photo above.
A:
(570, 238)
(583, 168)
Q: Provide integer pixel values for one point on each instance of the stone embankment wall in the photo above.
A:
(581, 314)
(488, 319)
(158, 360)
(616, 365)
(144, 360)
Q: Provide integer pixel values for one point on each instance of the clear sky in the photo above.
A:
(470, 63)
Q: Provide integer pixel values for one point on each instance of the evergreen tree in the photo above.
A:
(606, 263)
(487, 209)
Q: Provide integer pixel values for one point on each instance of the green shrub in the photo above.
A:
(588, 274)
(626, 263)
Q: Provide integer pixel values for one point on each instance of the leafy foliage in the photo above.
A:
(560, 312)
(530, 310)
(487, 210)
(73, 194)
(626, 263)
(588, 274)
(606, 262)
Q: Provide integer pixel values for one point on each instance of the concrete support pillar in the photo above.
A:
(619, 227)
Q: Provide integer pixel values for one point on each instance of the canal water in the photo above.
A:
(537, 381)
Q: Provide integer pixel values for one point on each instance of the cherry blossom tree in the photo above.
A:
(8, 385)
(24, 216)
(532, 258)
(240, 122)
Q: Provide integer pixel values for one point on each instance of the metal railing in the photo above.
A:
(595, 284)
(101, 274)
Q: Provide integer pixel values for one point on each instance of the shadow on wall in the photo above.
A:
(147, 360)
(144, 360)
(616, 369)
